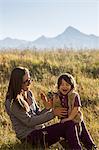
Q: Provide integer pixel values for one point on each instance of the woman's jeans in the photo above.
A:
(68, 130)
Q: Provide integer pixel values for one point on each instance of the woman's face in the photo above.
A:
(26, 81)
(64, 87)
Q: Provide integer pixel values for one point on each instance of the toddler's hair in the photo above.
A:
(68, 78)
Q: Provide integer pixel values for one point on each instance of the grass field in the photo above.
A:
(45, 67)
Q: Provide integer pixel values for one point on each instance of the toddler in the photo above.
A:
(67, 97)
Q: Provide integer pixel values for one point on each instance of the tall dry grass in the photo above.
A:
(45, 67)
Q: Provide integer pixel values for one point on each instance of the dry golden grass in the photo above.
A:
(45, 67)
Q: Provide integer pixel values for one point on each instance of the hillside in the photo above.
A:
(45, 67)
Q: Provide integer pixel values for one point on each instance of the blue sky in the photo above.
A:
(29, 19)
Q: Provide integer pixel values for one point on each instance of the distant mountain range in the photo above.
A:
(70, 38)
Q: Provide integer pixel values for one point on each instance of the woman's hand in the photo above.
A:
(61, 112)
(43, 97)
(47, 102)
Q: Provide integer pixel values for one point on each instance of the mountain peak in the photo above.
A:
(7, 38)
(71, 29)
(42, 37)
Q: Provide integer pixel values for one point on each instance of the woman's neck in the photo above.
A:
(26, 97)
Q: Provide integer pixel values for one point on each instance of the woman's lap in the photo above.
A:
(52, 134)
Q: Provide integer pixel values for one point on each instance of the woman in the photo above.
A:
(27, 118)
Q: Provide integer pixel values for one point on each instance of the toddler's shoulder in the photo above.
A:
(74, 93)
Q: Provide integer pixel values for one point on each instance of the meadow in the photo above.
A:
(45, 67)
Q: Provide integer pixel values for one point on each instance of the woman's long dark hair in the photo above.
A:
(15, 83)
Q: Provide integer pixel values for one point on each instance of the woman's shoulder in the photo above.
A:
(16, 104)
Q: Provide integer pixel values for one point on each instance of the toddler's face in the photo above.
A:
(64, 87)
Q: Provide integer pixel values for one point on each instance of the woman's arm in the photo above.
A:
(34, 119)
(30, 120)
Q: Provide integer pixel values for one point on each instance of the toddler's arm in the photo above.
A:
(72, 115)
